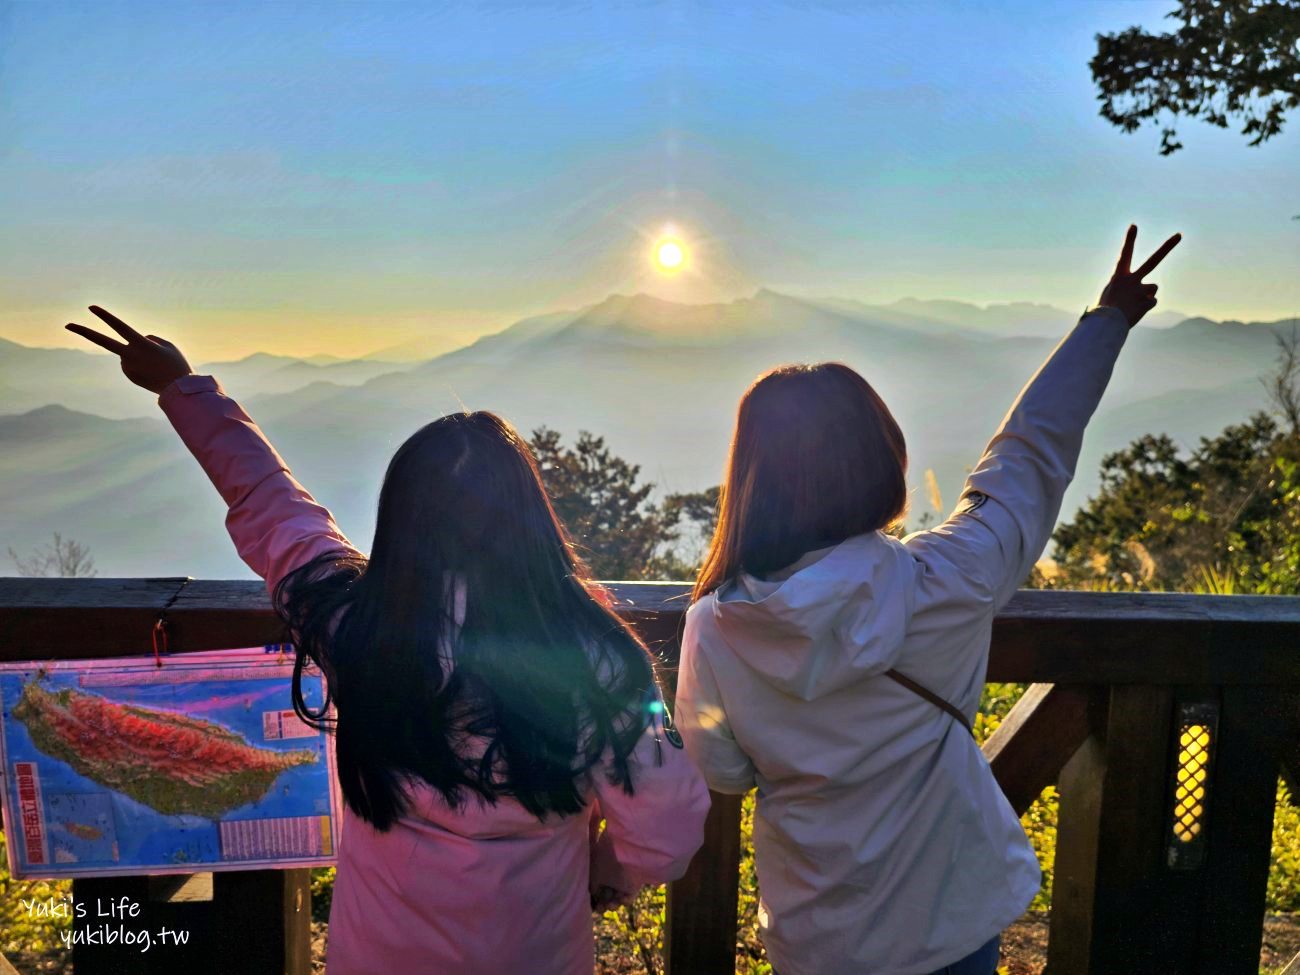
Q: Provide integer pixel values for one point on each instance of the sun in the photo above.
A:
(669, 255)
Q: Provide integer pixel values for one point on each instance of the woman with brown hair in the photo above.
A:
(837, 668)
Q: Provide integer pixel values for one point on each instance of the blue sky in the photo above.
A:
(328, 177)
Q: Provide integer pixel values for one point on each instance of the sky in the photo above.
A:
(338, 178)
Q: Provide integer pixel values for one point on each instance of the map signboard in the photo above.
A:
(126, 767)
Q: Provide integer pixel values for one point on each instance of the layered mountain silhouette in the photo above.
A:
(91, 382)
(85, 454)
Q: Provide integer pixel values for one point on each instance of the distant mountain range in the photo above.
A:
(90, 381)
(84, 453)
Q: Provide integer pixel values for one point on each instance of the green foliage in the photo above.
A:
(621, 533)
(1284, 875)
(751, 959)
(639, 927)
(322, 893)
(20, 928)
(1040, 826)
(1229, 59)
(1264, 552)
(1040, 820)
(1162, 520)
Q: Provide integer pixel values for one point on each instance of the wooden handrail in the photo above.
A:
(1109, 673)
(1043, 636)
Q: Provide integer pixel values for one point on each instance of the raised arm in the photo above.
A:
(275, 523)
(1012, 498)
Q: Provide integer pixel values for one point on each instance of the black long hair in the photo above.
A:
(521, 697)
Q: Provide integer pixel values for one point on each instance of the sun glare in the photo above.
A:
(670, 255)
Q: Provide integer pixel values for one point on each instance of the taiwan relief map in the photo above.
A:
(125, 767)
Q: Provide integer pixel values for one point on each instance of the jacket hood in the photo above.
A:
(836, 616)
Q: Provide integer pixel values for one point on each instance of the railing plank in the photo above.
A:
(1041, 636)
(1039, 735)
(80, 618)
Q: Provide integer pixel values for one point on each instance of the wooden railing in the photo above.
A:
(1115, 681)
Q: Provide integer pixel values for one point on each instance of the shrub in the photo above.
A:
(1284, 873)
(20, 928)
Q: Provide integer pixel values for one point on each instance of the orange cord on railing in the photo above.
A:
(159, 631)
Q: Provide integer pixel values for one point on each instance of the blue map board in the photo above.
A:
(125, 767)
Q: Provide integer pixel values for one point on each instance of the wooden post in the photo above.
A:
(1121, 903)
(1256, 725)
(700, 922)
(256, 922)
(1035, 740)
(700, 914)
(1115, 905)
(265, 919)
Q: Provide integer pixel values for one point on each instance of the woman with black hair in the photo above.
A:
(489, 707)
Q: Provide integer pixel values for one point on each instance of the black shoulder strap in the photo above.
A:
(930, 696)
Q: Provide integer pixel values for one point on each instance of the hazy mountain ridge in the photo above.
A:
(1010, 318)
(660, 381)
(31, 377)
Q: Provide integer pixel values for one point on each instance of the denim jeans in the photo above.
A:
(982, 962)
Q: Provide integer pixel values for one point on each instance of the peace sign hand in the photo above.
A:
(1125, 289)
(147, 360)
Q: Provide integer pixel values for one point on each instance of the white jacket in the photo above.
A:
(882, 841)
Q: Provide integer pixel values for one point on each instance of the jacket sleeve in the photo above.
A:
(651, 835)
(703, 723)
(275, 524)
(1012, 498)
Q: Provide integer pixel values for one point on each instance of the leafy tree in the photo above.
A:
(1283, 386)
(699, 511)
(1264, 553)
(1223, 518)
(599, 497)
(67, 558)
(1160, 517)
(1229, 59)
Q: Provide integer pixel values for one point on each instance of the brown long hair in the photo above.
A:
(816, 458)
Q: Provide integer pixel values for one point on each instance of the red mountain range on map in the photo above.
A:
(169, 761)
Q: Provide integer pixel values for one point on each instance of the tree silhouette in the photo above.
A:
(620, 532)
(1233, 60)
(67, 558)
(1283, 385)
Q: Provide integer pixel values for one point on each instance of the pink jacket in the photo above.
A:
(481, 891)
